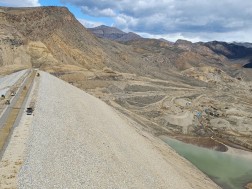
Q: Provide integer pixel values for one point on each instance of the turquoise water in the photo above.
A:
(228, 171)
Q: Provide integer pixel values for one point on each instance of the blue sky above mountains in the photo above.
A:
(194, 20)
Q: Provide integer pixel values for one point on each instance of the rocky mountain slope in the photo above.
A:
(51, 38)
(229, 50)
(48, 37)
(161, 85)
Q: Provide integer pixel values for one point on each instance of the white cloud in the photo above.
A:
(239, 36)
(23, 3)
(98, 12)
(89, 24)
(125, 22)
(195, 19)
(170, 37)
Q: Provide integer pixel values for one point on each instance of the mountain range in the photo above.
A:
(143, 78)
(50, 37)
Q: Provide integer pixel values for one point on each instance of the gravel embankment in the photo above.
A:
(77, 141)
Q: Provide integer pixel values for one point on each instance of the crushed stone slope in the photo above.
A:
(78, 141)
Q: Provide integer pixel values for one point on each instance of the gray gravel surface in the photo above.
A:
(77, 141)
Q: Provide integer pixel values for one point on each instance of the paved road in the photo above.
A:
(8, 81)
(13, 101)
(17, 102)
(24, 104)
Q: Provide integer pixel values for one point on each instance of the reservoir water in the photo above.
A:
(227, 170)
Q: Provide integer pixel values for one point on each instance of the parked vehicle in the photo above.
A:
(29, 111)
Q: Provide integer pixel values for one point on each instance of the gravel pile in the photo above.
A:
(77, 141)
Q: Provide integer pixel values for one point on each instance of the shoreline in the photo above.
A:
(249, 186)
(234, 152)
(213, 144)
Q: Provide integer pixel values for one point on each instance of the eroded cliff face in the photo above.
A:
(13, 51)
(45, 36)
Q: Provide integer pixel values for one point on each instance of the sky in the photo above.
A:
(193, 20)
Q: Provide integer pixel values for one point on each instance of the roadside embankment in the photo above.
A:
(12, 155)
(78, 141)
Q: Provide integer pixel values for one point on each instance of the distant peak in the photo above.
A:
(101, 26)
(107, 28)
(182, 41)
(113, 33)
